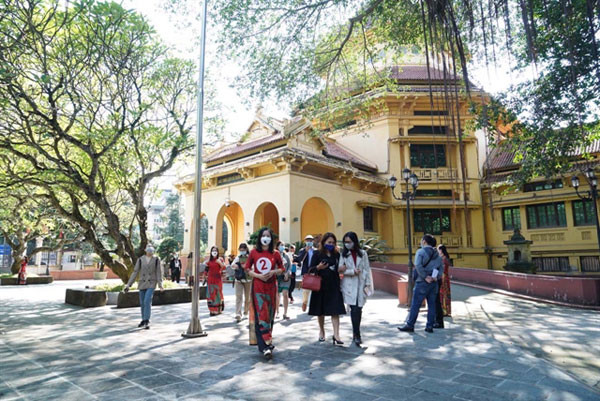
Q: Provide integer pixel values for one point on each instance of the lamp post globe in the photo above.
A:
(392, 182)
(575, 182)
(414, 181)
(406, 173)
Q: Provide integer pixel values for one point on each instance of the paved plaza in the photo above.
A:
(496, 348)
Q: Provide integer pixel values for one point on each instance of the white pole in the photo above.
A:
(195, 327)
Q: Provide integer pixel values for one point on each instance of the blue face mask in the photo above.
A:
(329, 247)
(281, 249)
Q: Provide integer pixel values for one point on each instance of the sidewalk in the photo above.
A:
(51, 351)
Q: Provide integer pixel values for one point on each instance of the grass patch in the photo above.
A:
(9, 275)
(110, 287)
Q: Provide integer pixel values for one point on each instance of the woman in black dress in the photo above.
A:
(329, 300)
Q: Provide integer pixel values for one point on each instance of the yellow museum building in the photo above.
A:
(285, 175)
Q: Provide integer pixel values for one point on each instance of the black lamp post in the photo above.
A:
(411, 181)
(592, 195)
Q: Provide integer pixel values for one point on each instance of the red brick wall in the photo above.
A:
(78, 274)
(573, 290)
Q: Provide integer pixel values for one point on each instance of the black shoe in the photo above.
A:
(147, 324)
(429, 329)
(407, 329)
(438, 326)
(357, 340)
(337, 342)
(142, 323)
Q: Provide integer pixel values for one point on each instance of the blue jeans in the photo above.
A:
(146, 302)
(423, 290)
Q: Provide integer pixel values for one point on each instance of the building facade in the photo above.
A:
(286, 175)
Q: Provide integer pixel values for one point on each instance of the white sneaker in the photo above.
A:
(268, 353)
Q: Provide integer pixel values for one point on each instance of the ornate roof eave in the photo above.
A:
(287, 156)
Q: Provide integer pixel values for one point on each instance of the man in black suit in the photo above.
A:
(175, 267)
(304, 258)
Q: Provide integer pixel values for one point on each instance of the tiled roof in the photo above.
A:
(236, 148)
(337, 151)
(500, 159)
(419, 73)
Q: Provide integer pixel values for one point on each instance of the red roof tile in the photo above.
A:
(337, 151)
(236, 148)
(419, 73)
(500, 159)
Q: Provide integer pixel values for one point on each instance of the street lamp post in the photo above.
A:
(195, 327)
(411, 181)
(592, 195)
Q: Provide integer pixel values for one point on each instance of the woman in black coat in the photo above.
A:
(329, 300)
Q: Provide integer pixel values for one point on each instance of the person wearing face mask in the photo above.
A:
(329, 300)
(357, 283)
(214, 290)
(243, 282)
(304, 260)
(263, 265)
(292, 255)
(150, 273)
(283, 281)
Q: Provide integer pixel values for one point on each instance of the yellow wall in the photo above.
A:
(313, 198)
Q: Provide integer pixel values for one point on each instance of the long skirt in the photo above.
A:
(214, 289)
(262, 313)
(445, 297)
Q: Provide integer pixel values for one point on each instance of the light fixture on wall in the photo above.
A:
(283, 219)
(211, 227)
(247, 224)
(339, 224)
(295, 220)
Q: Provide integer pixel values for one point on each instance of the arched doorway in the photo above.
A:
(267, 214)
(316, 217)
(229, 227)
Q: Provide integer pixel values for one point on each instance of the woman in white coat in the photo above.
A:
(357, 283)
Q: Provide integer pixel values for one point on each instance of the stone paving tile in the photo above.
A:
(480, 394)
(523, 391)
(127, 393)
(477, 380)
(162, 379)
(102, 386)
(179, 390)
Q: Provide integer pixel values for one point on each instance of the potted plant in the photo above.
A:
(100, 274)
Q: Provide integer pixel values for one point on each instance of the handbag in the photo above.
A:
(311, 282)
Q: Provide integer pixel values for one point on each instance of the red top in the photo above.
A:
(353, 252)
(264, 261)
(214, 269)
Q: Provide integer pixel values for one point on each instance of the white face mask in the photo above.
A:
(265, 240)
(242, 253)
(309, 244)
(349, 245)
(214, 254)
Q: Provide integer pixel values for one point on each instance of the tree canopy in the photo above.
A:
(95, 108)
(295, 50)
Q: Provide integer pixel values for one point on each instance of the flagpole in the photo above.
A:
(195, 327)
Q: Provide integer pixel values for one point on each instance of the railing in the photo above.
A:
(452, 241)
(441, 173)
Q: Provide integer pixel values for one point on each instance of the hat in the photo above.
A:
(309, 237)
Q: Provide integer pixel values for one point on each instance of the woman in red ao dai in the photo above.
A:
(263, 265)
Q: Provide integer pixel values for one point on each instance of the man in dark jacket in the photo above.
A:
(428, 265)
(175, 267)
